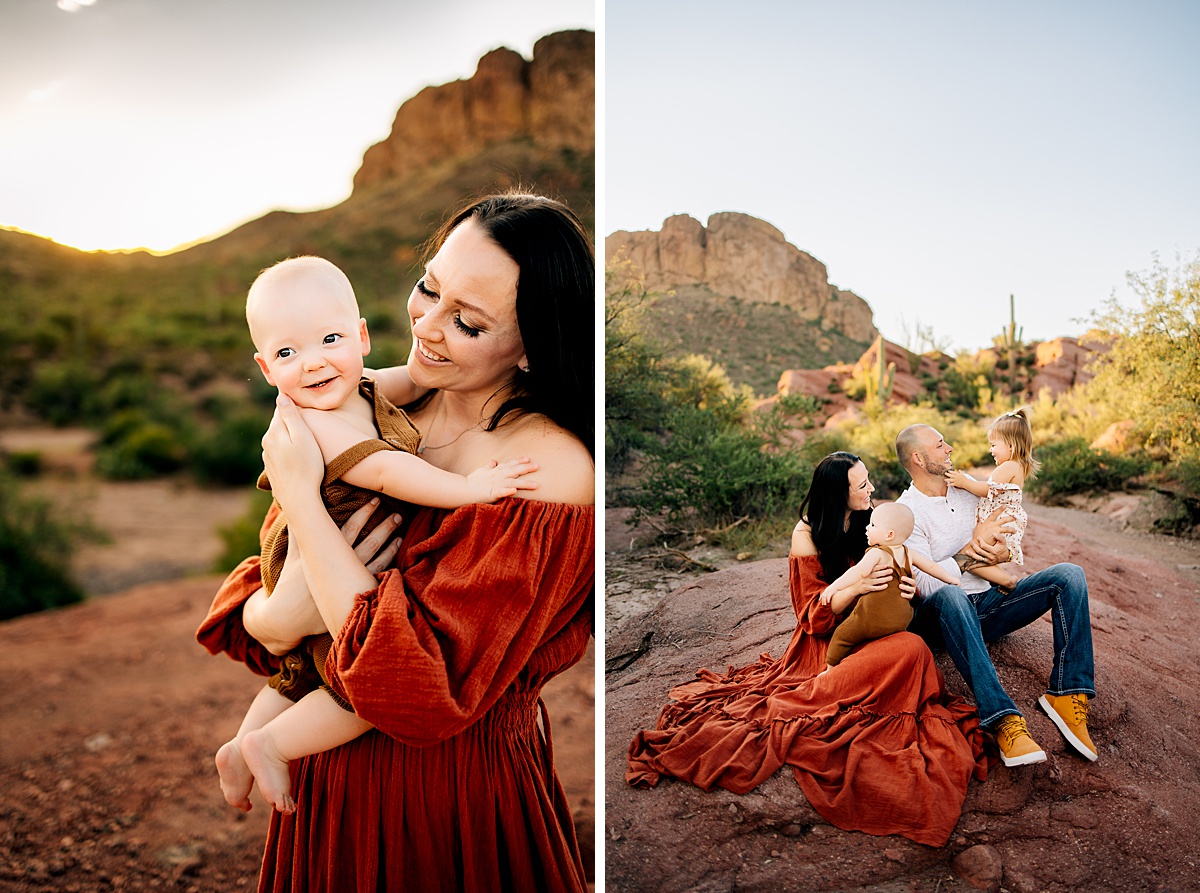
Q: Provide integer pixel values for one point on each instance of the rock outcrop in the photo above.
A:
(741, 256)
(1064, 362)
(1121, 824)
(549, 99)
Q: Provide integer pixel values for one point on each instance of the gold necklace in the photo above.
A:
(422, 446)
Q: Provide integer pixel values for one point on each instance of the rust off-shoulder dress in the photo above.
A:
(876, 744)
(455, 789)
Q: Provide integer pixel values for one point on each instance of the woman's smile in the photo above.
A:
(429, 354)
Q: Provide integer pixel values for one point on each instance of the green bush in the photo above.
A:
(34, 546)
(23, 463)
(1071, 466)
(705, 474)
(232, 452)
(134, 447)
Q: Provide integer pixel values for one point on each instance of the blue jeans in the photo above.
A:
(964, 623)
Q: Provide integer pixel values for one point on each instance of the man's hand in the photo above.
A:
(987, 546)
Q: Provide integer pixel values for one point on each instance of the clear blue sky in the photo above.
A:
(128, 123)
(936, 155)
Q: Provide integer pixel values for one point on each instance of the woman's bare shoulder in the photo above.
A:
(802, 541)
(566, 471)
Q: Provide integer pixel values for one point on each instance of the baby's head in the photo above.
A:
(891, 524)
(1011, 437)
(308, 336)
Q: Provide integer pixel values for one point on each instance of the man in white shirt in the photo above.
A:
(965, 617)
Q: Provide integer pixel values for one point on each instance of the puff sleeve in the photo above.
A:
(475, 593)
(222, 629)
(807, 584)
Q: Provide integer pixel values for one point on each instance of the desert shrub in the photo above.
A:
(23, 463)
(133, 447)
(241, 536)
(33, 548)
(1071, 466)
(709, 472)
(231, 452)
(63, 393)
(1149, 375)
(636, 374)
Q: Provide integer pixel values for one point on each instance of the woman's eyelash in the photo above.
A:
(470, 331)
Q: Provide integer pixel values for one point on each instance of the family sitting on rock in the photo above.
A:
(876, 742)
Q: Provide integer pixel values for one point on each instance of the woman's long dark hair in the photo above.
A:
(824, 508)
(556, 306)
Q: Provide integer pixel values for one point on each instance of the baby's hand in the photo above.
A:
(826, 596)
(497, 480)
(956, 478)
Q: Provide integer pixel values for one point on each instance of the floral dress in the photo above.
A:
(1007, 496)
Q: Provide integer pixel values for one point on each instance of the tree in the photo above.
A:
(1152, 372)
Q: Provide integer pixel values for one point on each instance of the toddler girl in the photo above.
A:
(1010, 441)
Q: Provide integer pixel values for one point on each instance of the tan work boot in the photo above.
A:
(1017, 746)
(1070, 713)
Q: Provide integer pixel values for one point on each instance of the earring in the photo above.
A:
(524, 368)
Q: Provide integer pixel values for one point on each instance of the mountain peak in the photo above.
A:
(549, 99)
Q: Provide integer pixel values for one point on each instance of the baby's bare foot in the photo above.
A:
(236, 777)
(270, 770)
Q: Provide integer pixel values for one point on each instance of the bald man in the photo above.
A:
(964, 617)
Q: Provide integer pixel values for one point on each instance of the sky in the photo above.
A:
(154, 123)
(937, 155)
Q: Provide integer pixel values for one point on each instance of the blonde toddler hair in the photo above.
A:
(1014, 429)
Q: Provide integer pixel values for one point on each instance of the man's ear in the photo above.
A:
(364, 337)
(262, 364)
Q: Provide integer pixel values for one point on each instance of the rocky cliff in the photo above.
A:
(549, 99)
(737, 255)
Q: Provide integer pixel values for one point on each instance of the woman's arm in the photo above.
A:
(841, 594)
(872, 581)
(396, 384)
(333, 571)
(280, 621)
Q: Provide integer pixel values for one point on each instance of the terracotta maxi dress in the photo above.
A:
(456, 789)
(876, 744)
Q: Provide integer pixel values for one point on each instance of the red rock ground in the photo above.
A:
(1126, 823)
(111, 716)
(111, 712)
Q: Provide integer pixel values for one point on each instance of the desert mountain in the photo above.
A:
(74, 319)
(741, 256)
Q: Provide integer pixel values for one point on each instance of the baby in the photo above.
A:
(886, 611)
(310, 343)
(1010, 441)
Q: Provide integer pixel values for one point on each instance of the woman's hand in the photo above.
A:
(291, 457)
(908, 587)
(378, 550)
(876, 580)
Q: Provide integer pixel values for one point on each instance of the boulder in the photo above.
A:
(1062, 363)
(1121, 823)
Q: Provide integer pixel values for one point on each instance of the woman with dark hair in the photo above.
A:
(443, 640)
(876, 743)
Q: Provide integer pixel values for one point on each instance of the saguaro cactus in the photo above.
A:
(880, 380)
(1010, 339)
